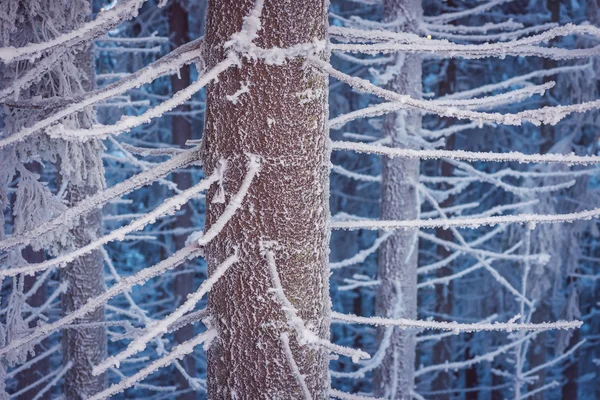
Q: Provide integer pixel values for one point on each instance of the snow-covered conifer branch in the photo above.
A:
(177, 353)
(546, 115)
(93, 303)
(298, 377)
(254, 164)
(448, 17)
(467, 363)
(171, 62)
(167, 207)
(338, 394)
(124, 10)
(304, 336)
(158, 328)
(362, 255)
(471, 223)
(102, 197)
(453, 326)
(466, 155)
(128, 122)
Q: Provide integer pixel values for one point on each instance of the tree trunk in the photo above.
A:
(182, 132)
(85, 347)
(283, 120)
(42, 367)
(444, 300)
(81, 167)
(398, 256)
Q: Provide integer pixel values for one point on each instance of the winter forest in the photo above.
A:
(300, 199)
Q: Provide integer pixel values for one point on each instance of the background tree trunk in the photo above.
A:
(182, 132)
(398, 256)
(282, 119)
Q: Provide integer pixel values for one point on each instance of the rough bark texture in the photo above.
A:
(398, 256)
(282, 119)
(40, 368)
(85, 348)
(182, 132)
(443, 293)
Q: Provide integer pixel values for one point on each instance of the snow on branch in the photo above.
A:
(235, 203)
(304, 336)
(453, 326)
(392, 42)
(337, 394)
(511, 156)
(42, 331)
(448, 17)
(158, 328)
(169, 63)
(467, 363)
(167, 207)
(468, 222)
(106, 21)
(298, 377)
(127, 123)
(546, 115)
(100, 198)
(176, 354)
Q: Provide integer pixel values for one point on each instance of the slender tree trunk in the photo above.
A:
(283, 120)
(182, 132)
(40, 368)
(444, 300)
(398, 256)
(85, 347)
(81, 167)
(542, 313)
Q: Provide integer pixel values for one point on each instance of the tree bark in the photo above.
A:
(444, 293)
(283, 120)
(398, 256)
(81, 167)
(182, 132)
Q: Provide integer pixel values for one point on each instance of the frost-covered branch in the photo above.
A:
(177, 353)
(453, 326)
(124, 10)
(102, 197)
(513, 156)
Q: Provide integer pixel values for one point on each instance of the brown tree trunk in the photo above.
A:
(182, 132)
(42, 367)
(398, 256)
(443, 293)
(283, 120)
(83, 348)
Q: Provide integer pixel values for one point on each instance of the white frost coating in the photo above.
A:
(304, 336)
(466, 155)
(234, 98)
(160, 327)
(466, 222)
(167, 207)
(128, 122)
(336, 394)
(353, 175)
(235, 203)
(447, 17)
(454, 326)
(102, 197)
(467, 363)
(105, 21)
(54, 381)
(546, 115)
(170, 62)
(177, 353)
(285, 343)
(362, 255)
(125, 284)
